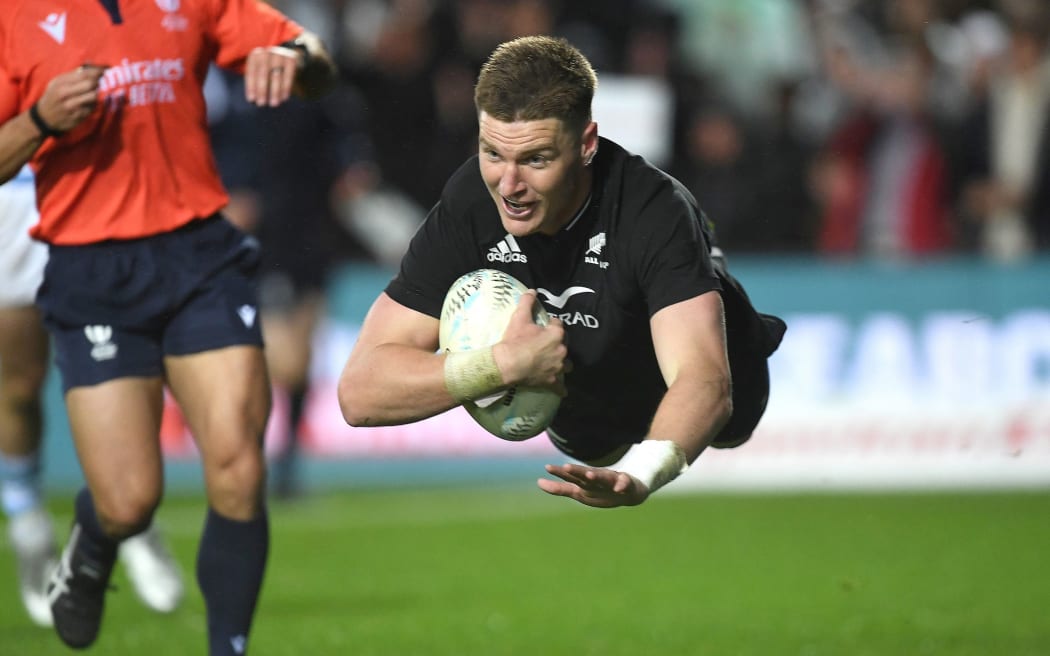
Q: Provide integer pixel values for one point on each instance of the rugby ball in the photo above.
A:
(475, 314)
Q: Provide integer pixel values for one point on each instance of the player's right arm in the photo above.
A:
(68, 99)
(394, 374)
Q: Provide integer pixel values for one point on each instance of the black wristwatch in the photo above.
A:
(298, 44)
(42, 125)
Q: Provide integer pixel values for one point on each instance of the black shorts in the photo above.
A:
(115, 309)
(751, 337)
(296, 261)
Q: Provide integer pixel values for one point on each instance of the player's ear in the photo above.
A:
(589, 143)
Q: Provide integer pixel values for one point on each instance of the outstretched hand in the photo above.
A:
(594, 486)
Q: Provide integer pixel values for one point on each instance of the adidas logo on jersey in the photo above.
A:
(506, 251)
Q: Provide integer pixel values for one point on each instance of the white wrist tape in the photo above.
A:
(471, 374)
(653, 462)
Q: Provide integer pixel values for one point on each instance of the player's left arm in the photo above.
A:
(301, 65)
(690, 343)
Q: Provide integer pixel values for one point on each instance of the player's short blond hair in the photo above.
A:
(534, 78)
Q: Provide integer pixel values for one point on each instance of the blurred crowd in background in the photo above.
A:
(891, 129)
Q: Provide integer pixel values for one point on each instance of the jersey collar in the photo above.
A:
(575, 219)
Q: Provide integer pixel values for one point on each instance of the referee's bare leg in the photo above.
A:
(115, 427)
(225, 397)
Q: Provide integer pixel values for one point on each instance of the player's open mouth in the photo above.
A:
(516, 210)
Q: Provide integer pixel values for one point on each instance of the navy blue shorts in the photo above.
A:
(115, 309)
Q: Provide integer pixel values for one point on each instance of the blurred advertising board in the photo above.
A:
(906, 375)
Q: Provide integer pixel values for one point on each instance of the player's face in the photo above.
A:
(535, 171)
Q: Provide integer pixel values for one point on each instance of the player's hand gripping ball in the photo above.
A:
(477, 309)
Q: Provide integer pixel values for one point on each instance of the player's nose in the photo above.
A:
(510, 182)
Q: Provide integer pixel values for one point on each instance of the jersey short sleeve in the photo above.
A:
(241, 25)
(670, 249)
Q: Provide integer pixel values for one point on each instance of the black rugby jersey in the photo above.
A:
(640, 245)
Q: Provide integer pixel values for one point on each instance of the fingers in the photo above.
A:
(585, 497)
(523, 313)
(71, 97)
(591, 478)
(537, 352)
(592, 486)
(571, 474)
(529, 308)
(83, 96)
(269, 75)
(90, 70)
(522, 321)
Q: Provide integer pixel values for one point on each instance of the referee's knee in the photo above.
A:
(125, 515)
(236, 481)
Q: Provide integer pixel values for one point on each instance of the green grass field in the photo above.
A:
(490, 572)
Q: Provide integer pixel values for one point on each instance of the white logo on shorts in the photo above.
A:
(100, 336)
(247, 315)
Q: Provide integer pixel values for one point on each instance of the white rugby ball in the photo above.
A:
(475, 314)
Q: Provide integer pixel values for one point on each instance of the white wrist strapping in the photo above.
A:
(653, 462)
(471, 374)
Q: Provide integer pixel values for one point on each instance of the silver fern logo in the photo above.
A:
(594, 251)
(596, 244)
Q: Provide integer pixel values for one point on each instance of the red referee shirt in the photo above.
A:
(141, 164)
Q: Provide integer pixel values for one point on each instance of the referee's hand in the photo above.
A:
(269, 75)
(70, 97)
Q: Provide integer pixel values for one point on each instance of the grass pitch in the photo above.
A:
(490, 571)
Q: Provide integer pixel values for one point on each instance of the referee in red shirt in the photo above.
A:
(146, 283)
